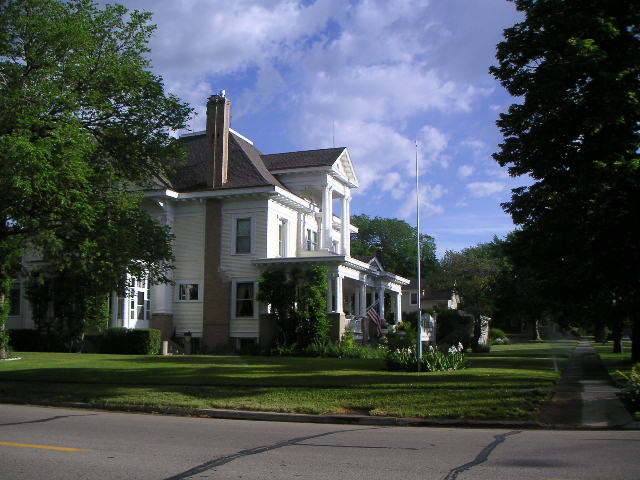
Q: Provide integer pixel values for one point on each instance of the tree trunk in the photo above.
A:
(535, 330)
(599, 330)
(3, 316)
(616, 334)
(477, 330)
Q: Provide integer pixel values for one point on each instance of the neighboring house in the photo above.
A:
(444, 298)
(235, 211)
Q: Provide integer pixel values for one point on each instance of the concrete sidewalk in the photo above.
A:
(585, 397)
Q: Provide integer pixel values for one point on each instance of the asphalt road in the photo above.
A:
(51, 443)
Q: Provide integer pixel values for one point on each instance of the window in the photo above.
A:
(312, 240)
(188, 292)
(243, 235)
(414, 298)
(282, 237)
(244, 299)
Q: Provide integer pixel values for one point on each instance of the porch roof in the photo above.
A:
(335, 259)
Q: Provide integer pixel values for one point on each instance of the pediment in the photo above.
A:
(343, 167)
(375, 264)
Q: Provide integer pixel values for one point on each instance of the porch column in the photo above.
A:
(363, 299)
(346, 235)
(330, 294)
(300, 240)
(381, 300)
(114, 309)
(338, 294)
(327, 218)
(399, 307)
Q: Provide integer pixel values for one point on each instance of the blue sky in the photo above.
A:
(370, 75)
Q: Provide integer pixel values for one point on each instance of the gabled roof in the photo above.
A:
(375, 264)
(246, 168)
(309, 158)
(249, 167)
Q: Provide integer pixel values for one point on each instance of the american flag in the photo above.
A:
(373, 314)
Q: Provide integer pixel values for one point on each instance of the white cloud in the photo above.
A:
(485, 189)
(427, 198)
(434, 143)
(465, 171)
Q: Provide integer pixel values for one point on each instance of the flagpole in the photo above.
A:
(419, 286)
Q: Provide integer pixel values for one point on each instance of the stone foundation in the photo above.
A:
(164, 323)
(338, 325)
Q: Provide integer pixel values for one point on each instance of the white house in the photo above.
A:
(234, 211)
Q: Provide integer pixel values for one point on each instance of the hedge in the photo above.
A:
(147, 341)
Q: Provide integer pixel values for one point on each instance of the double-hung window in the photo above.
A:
(245, 294)
(414, 299)
(312, 240)
(188, 292)
(243, 235)
(282, 237)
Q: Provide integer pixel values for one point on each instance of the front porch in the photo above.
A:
(354, 287)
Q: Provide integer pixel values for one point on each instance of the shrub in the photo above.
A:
(433, 359)
(454, 328)
(631, 392)
(481, 348)
(498, 337)
(405, 336)
(146, 341)
(327, 348)
(25, 340)
(31, 340)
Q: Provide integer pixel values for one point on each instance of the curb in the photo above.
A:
(328, 419)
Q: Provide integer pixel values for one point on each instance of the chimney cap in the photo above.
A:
(222, 94)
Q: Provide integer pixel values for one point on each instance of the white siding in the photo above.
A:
(245, 328)
(241, 265)
(277, 212)
(188, 228)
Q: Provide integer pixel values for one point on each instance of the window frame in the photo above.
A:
(312, 240)
(180, 283)
(283, 236)
(234, 234)
(254, 299)
(413, 298)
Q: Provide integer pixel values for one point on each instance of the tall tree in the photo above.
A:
(575, 67)
(394, 242)
(82, 120)
(473, 273)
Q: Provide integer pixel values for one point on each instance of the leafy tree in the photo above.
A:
(473, 273)
(574, 66)
(395, 244)
(298, 300)
(82, 121)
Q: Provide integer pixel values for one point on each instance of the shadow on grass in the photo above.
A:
(513, 366)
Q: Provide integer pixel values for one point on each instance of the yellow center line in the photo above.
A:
(44, 447)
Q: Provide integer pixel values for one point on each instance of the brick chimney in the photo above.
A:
(218, 120)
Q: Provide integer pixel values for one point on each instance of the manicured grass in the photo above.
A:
(510, 382)
(615, 361)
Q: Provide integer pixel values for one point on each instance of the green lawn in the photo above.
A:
(508, 383)
(615, 361)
